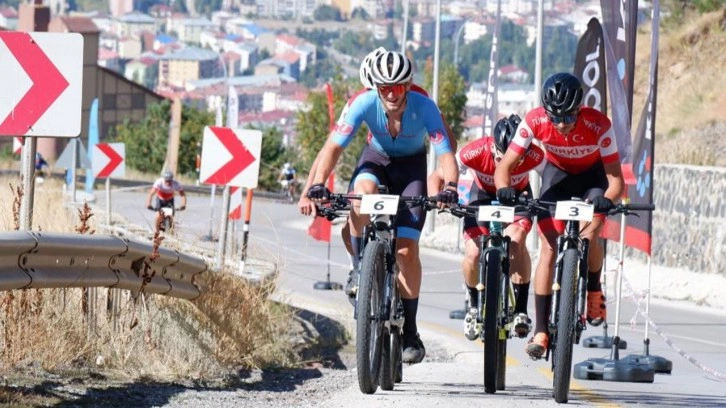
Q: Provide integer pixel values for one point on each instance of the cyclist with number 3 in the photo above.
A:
(581, 161)
(399, 121)
(482, 156)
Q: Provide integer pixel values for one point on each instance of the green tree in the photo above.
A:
(272, 156)
(313, 128)
(327, 13)
(451, 95)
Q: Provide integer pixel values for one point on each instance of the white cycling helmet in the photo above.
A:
(366, 77)
(391, 68)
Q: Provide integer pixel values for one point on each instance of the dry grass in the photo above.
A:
(232, 325)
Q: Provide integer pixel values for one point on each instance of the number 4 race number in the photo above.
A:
(499, 213)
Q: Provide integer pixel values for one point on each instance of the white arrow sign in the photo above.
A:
(41, 77)
(230, 156)
(108, 160)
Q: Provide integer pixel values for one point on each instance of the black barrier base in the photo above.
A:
(659, 364)
(457, 314)
(625, 370)
(209, 238)
(605, 342)
(327, 285)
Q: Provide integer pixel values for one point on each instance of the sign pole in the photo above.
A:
(246, 229)
(28, 179)
(222, 243)
(108, 201)
(73, 169)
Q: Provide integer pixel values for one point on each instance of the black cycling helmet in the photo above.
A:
(561, 94)
(504, 132)
(168, 175)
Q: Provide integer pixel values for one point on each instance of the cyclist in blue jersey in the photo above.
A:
(399, 122)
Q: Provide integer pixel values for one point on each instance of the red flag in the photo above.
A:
(331, 105)
(320, 229)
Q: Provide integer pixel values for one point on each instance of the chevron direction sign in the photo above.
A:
(108, 160)
(230, 156)
(40, 76)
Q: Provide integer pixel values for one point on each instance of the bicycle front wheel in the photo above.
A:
(370, 324)
(565, 327)
(491, 321)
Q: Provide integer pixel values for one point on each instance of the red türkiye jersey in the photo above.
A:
(478, 156)
(590, 142)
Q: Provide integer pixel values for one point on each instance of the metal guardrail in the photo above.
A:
(55, 260)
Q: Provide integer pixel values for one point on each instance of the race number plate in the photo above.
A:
(574, 210)
(379, 204)
(499, 213)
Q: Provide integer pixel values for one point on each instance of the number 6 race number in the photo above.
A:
(379, 204)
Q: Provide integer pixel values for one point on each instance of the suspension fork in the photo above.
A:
(556, 282)
(584, 272)
(507, 288)
(481, 284)
(391, 275)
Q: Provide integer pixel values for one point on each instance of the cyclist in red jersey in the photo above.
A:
(581, 161)
(481, 157)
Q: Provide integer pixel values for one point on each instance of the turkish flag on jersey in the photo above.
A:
(320, 229)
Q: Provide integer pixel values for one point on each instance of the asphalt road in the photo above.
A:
(278, 234)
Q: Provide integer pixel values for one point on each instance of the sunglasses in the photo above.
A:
(396, 90)
(566, 119)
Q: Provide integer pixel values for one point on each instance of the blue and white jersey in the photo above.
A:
(420, 118)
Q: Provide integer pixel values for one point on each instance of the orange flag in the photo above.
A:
(321, 229)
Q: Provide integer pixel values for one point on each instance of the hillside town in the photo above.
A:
(195, 57)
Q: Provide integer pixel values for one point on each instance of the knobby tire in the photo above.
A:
(387, 353)
(565, 326)
(369, 326)
(491, 321)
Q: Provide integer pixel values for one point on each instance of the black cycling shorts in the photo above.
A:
(557, 185)
(404, 176)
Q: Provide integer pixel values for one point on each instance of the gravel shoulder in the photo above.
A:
(327, 367)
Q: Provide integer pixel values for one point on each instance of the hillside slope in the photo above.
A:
(691, 107)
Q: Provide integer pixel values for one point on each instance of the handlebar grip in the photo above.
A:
(640, 207)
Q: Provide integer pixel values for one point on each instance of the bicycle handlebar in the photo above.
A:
(340, 203)
(532, 205)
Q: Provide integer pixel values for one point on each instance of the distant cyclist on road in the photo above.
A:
(41, 165)
(288, 180)
(164, 189)
(581, 161)
(482, 157)
(399, 122)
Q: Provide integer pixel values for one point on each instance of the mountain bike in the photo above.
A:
(166, 214)
(378, 310)
(496, 303)
(567, 317)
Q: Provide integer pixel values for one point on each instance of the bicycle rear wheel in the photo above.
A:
(369, 325)
(565, 327)
(491, 321)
